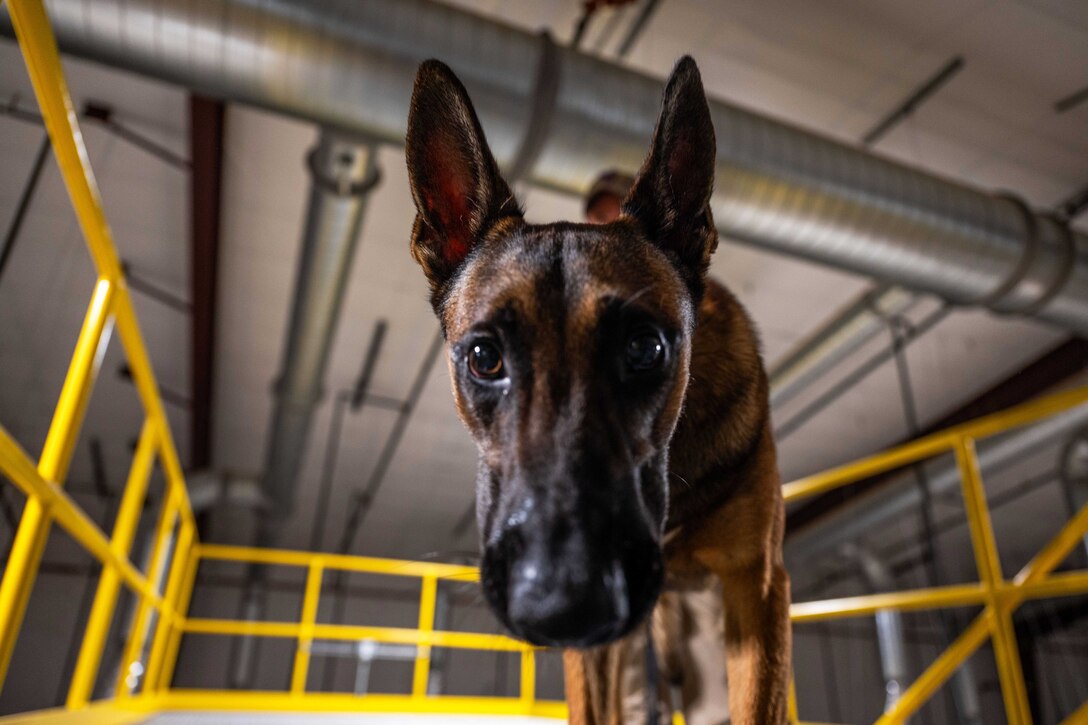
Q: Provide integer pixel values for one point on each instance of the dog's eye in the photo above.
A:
(645, 351)
(485, 360)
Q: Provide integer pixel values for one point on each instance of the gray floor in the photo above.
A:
(264, 718)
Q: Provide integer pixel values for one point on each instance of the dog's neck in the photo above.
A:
(725, 421)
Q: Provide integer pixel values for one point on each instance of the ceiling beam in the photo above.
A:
(206, 131)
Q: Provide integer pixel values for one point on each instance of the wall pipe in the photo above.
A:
(351, 65)
(892, 643)
(342, 172)
(889, 626)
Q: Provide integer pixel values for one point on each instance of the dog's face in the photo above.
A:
(568, 351)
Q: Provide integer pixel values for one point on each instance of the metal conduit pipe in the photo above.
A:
(831, 344)
(889, 626)
(351, 65)
(892, 644)
(342, 173)
(900, 496)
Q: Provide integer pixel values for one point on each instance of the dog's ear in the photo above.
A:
(458, 191)
(671, 195)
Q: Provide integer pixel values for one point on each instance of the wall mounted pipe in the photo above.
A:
(889, 627)
(892, 644)
(342, 174)
(351, 65)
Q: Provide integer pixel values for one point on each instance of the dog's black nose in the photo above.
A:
(576, 606)
(565, 584)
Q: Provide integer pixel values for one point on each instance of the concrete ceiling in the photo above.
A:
(834, 68)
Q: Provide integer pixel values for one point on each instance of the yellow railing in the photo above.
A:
(42, 482)
(307, 629)
(1000, 596)
(163, 593)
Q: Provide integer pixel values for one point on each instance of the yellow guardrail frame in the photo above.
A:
(165, 591)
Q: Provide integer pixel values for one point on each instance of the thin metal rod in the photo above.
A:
(860, 373)
(21, 208)
(899, 330)
(149, 289)
(356, 397)
(1073, 99)
(103, 116)
(637, 27)
(912, 103)
(1072, 207)
(12, 110)
(365, 498)
(173, 397)
(362, 383)
(328, 473)
(581, 26)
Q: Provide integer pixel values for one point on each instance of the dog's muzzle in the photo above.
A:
(566, 583)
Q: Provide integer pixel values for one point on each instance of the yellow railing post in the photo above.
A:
(137, 636)
(427, 602)
(109, 583)
(33, 531)
(155, 661)
(1006, 653)
(528, 676)
(306, 633)
(170, 659)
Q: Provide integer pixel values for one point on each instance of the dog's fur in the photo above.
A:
(626, 429)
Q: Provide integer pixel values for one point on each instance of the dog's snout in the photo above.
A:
(567, 599)
(565, 583)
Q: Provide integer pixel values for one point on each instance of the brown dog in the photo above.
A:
(616, 396)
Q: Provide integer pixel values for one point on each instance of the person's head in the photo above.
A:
(604, 202)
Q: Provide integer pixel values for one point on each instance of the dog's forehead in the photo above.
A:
(573, 265)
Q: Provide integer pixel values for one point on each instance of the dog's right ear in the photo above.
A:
(671, 196)
(458, 191)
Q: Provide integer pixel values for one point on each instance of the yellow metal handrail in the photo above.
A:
(165, 591)
(1001, 597)
(110, 305)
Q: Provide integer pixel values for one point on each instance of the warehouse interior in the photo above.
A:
(901, 201)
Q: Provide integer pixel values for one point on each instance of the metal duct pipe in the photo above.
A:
(900, 497)
(837, 340)
(343, 172)
(351, 65)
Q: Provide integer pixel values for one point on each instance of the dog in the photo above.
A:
(616, 396)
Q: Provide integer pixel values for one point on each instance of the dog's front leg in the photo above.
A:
(598, 683)
(756, 598)
(757, 644)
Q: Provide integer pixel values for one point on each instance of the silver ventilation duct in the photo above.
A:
(564, 116)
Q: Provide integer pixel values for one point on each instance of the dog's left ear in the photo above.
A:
(671, 195)
(458, 191)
